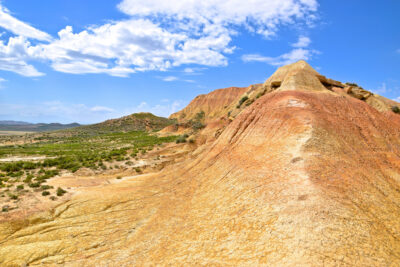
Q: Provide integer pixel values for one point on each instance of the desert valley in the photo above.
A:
(301, 170)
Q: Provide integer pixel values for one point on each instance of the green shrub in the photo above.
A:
(28, 178)
(199, 116)
(242, 100)
(45, 193)
(197, 125)
(395, 109)
(60, 192)
(12, 196)
(46, 187)
(34, 185)
(20, 187)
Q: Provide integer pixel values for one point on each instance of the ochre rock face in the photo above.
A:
(211, 104)
(299, 178)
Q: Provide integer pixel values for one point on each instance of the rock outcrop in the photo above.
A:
(303, 176)
(212, 104)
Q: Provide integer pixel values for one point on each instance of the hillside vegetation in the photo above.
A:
(135, 122)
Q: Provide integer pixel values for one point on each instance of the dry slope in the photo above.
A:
(304, 176)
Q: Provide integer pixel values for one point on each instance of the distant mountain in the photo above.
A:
(8, 125)
(14, 123)
(143, 121)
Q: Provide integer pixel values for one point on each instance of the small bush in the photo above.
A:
(45, 193)
(20, 187)
(119, 177)
(5, 208)
(199, 116)
(28, 178)
(46, 187)
(352, 84)
(181, 139)
(197, 125)
(12, 196)
(396, 109)
(60, 192)
(242, 100)
(34, 185)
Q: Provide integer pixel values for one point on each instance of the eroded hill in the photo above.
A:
(303, 173)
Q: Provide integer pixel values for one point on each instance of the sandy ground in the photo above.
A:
(14, 133)
(34, 158)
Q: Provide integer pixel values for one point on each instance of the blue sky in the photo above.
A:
(87, 61)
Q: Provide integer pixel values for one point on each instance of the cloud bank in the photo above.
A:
(158, 35)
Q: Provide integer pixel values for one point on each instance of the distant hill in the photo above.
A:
(8, 125)
(135, 122)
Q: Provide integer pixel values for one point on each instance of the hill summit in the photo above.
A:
(304, 172)
(143, 121)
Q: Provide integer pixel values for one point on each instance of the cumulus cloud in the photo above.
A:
(158, 35)
(14, 56)
(210, 16)
(302, 42)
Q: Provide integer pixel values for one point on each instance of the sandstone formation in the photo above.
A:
(304, 175)
(212, 104)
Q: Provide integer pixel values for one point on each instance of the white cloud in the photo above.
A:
(14, 55)
(174, 78)
(158, 36)
(189, 70)
(284, 59)
(101, 109)
(299, 52)
(193, 71)
(169, 78)
(260, 16)
(20, 28)
(302, 42)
